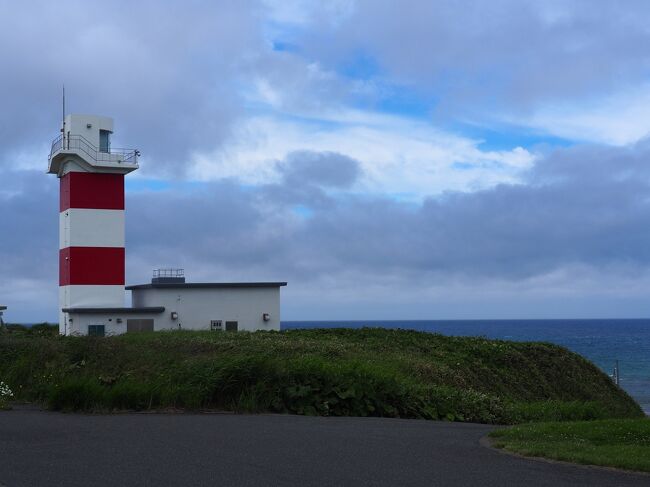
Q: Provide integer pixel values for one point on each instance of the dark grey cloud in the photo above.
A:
(581, 207)
(29, 225)
(586, 206)
(307, 178)
(325, 169)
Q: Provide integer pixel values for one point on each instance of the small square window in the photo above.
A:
(96, 330)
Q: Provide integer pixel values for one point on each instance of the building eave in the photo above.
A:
(205, 285)
(143, 310)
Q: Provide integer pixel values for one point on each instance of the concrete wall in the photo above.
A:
(115, 324)
(77, 124)
(85, 297)
(85, 227)
(196, 307)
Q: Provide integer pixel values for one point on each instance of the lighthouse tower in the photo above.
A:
(91, 218)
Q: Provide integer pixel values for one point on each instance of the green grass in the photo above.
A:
(362, 372)
(621, 443)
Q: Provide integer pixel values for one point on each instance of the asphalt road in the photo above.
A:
(50, 449)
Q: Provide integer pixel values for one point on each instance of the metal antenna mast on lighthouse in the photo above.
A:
(63, 117)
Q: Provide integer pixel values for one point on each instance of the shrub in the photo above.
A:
(335, 372)
(5, 395)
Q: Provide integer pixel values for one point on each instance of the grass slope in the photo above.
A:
(621, 443)
(366, 372)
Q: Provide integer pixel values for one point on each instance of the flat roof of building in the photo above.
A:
(151, 309)
(199, 285)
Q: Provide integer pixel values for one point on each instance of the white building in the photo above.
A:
(170, 303)
(92, 252)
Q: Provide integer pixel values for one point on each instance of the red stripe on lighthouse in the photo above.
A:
(91, 265)
(92, 190)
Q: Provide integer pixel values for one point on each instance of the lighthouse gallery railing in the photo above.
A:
(81, 144)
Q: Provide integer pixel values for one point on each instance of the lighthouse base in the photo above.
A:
(86, 296)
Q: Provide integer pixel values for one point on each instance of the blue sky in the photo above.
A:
(411, 160)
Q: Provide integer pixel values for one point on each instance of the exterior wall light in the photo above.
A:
(266, 317)
(174, 315)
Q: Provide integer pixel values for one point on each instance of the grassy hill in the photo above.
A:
(362, 372)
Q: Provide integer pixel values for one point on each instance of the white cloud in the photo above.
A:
(399, 156)
(620, 119)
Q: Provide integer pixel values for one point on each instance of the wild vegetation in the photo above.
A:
(362, 372)
(37, 329)
(622, 443)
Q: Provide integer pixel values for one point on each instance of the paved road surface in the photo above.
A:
(50, 449)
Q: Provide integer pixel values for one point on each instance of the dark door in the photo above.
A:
(231, 326)
(104, 141)
(139, 325)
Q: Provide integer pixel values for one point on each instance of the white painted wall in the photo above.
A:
(71, 158)
(85, 296)
(114, 323)
(196, 307)
(77, 124)
(80, 227)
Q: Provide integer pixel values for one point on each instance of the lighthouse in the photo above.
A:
(91, 216)
(91, 253)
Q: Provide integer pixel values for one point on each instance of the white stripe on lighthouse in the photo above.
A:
(80, 227)
(88, 296)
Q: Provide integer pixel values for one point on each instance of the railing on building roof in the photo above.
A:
(81, 144)
(168, 273)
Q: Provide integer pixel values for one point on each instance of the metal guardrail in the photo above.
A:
(168, 273)
(81, 144)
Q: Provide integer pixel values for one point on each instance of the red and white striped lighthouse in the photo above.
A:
(91, 215)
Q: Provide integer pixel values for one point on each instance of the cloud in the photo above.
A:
(398, 156)
(327, 144)
(167, 74)
(327, 169)
(578, 212)
(29, 208)
(574, 228)
(618, 119)
(560, 66)
(522, 51)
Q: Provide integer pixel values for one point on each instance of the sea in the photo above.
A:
(603, 341)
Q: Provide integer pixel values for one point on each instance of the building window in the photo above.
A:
(216, 325)
(96, 330)
(231, 326)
